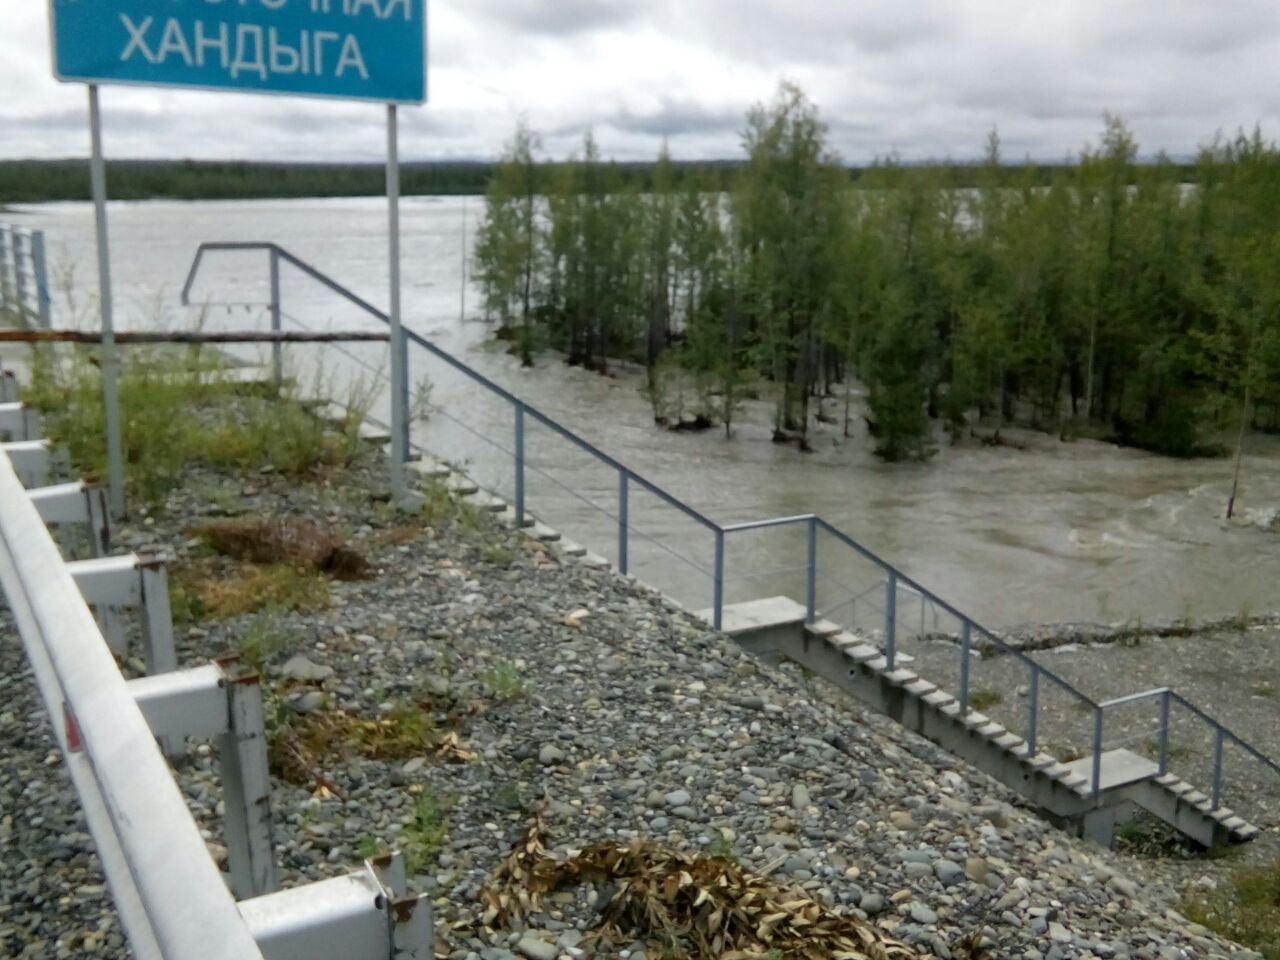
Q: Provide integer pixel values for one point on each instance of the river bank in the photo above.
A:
(549, 687)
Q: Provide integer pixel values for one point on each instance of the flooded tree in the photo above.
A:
(1114, 298)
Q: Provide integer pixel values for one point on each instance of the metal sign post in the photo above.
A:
(399, 355)
(371, 50)
(110, 389)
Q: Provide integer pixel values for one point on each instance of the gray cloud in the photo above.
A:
(558, 17)
(924, 78)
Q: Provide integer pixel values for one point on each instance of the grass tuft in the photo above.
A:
(250, 589)
(1248, 911)
(982, 699)
(503, 681)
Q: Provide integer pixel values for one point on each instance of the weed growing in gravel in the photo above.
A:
(404, 731)
(498, 555)
(503, 680)
(301, 746)
(1131, 634)
(1151, 747)
(722, 849)
(1263, 690)
(508, 795)
(1242, 619)
(277, 586)
(1145, 836)
(1248, 911)
(443, 510)
(261, 641)
(983, 699)
(422, 837)
(369, 846)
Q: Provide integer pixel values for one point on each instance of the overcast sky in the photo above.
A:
(923, 78)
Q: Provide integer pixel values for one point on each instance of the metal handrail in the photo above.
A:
(896, 579)
(171, 898)
(24, 285)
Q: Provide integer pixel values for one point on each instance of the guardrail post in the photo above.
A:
(717, 600)
(891, 620)
(1164, 733)
(811, 585)
(966, 641)
(623, 506)
(1033, 709)
(519, 464)
(1097, 751)
(39, 269)
(246, 788)
(277, 348)
(1217, 767)
(157, 620)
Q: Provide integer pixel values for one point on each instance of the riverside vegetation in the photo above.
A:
(1133, 301)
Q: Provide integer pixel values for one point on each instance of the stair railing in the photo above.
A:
(895, 579)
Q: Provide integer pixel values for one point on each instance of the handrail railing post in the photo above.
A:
(717, 600)
(966, 642)
(1217, 766)
(519, 464)
(623, 506)
(811, 583)
(19, 275)
(405, 420)
(1164, 733)
(1097, 751)
(6, 283)
(40, 271)
(277, 355)
(1033, 711)
(890, 619)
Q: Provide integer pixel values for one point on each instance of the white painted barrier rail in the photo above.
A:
(172, 901)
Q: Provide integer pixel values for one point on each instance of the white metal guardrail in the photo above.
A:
(24, 274)
(173, 902)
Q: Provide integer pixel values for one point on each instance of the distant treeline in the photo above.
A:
(1111, 298)
(43, 181)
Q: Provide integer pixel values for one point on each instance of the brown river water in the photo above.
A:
(1056, 532)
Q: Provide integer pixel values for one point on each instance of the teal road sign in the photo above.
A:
(350, 49)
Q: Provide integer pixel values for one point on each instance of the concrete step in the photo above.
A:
(825, 628)
(460, 485)
(543, 533)
(486, 501)
(918, 688)
(430, 468)
(862, 653)
(938, 698)
(568, 548)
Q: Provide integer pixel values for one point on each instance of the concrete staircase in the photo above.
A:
(775, 628)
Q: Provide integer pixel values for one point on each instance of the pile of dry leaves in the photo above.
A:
(693, 905)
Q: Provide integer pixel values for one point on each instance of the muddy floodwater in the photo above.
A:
(1058, 531)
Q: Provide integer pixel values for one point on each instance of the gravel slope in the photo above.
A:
(584, 695)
